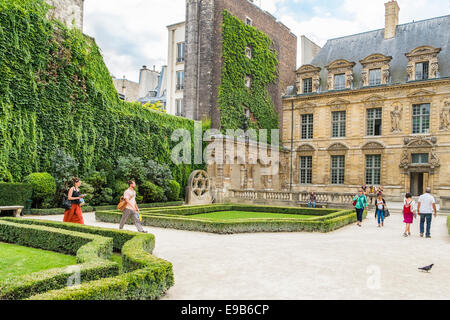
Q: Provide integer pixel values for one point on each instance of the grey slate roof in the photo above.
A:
(432, 32)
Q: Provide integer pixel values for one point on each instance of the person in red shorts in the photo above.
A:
(74, 195)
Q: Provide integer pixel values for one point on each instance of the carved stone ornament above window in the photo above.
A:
(308, 71)
(337, 147)
(340, 66)
(375, 61)
(423, 54)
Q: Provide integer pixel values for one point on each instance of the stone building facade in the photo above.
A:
(203, 61)
(70, 12)
(374, 109)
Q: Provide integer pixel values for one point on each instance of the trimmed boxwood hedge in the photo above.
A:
(92, 252)
(15, 194)
(56, 211)
(143, 205)
(146, 277)
(329, 219)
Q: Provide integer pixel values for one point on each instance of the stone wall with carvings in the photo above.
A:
(395, 145)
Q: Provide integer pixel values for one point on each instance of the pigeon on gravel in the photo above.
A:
(427, 268)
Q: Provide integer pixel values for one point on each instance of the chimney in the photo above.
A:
(391, 22)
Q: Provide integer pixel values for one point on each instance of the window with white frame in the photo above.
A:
(374, 122)
(422, 70)
(374, 77)
(421, 118)
(373, 168)
(307, 85)
(419, 158)
(248, 21)
(339, 81)
(180, 52)
(307, 126)
(306, 170)
(338, 124)
(337, 169)
(180, 80)
(179, 107)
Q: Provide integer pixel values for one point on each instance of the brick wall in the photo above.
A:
(209, 67)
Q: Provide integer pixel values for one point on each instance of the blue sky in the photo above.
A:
(133, 33)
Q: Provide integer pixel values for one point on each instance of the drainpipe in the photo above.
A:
(292, 144)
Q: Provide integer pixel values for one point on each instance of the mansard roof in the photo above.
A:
(432, 32)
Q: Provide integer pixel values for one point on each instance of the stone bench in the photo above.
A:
(17, 210)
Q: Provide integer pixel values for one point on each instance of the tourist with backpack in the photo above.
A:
(380, 208)
(360, 203)
(409, 213)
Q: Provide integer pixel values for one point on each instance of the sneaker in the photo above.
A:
(405, 234)
(409, 233)
(428, 236)
(421, 235)
(143, 231)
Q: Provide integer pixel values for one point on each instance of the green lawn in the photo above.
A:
(232, 215)
(17, 260)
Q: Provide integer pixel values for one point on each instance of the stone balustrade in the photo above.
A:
(323, 199)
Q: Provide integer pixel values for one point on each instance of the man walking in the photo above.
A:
(425, 207)
(131, 209)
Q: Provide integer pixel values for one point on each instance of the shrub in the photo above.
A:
(102, 194)
(64, 168)
(15, 194)
(131, 168)
(119, 188)
(44, 187)
(158, 174)
(173, 191)
(151, 192)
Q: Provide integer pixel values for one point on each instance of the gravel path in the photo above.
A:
(350, 263)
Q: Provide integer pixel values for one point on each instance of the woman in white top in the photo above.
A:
(380, 207)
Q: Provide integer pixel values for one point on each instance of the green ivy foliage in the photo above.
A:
(56, 93)
(234, 96)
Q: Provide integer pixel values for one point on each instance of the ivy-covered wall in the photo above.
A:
(55, 91)
(234, 95)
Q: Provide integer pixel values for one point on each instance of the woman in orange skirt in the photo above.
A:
(74, 195)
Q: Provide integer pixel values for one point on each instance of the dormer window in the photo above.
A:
(375, 70)
(308, 79)
(340, 74)
(339, 81)
(422, 70)
(423, 63)
(374, 77)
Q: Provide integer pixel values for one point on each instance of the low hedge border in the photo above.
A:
(146, 277)
(56, 211)
(192, 210)
(142, 205)
(92, 252)
(326, 223)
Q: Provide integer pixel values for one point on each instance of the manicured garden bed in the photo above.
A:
(140, 276)
(18, 260)
(233, 218)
